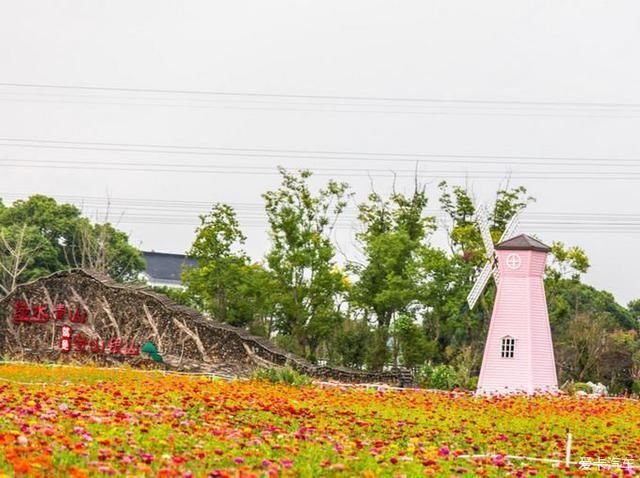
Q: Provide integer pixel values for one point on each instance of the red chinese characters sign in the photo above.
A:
(70, 340)
(39, 314)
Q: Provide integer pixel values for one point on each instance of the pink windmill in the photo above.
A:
(518, 354)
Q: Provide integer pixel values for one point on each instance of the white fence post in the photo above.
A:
(567, 460)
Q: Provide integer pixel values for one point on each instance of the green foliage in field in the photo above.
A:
(284, 375)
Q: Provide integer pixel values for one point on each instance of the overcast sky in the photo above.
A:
(546, 92)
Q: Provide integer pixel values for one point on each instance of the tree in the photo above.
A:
(446, 319)
(352, 343)
(582, 348)
(18, 248)
(566, 262)
(308, 283)
(104, 248)
(225, 282)
(634, 309)
(392, 241)
(595, 349)
(50, 237)
(569, 298)
(181, 296)
(411, 346)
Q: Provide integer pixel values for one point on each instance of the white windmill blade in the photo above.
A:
(481, 283)
(496, 271)
(511, 227)
(485, 232)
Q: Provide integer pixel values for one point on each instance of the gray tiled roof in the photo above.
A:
(523, 243)
(166, 267)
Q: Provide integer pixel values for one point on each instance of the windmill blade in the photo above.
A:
(510, 228)
(485, 232)
(496, 271)
(481, 283)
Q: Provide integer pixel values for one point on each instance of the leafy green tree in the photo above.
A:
(463, 234)
(308, 283)
(56, 237)
(570, 298)
(107, 249)
(181, 296)
(621, 365)
(593, 348)
(595, 337)
(225, 282)
(508, 202)
(411, 346)
(634, 309)
(446, 318)
(19, 246)
(393, 239)
(566, 262)
(352, 343)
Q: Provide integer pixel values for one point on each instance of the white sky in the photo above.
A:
(516, 52)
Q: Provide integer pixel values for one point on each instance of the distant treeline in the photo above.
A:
(402, 302)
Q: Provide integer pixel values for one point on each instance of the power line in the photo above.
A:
(163, 204)
(154, 212)
(451, 110)
(319, 171)
(273, 153)
(276, 105)
(358, 98)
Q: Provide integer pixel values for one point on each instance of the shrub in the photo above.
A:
(591, 388)
(282, 375)
(582, 387)
(441, 377)
(445, 377)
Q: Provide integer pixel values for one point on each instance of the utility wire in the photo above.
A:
(353, 109)
(273, 153)
(155, 212)
(359, 98)
(165, 204)
(320, 171)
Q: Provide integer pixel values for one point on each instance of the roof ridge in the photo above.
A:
(523, 242)
(166, 253)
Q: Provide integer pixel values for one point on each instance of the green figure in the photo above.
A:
(151, 349)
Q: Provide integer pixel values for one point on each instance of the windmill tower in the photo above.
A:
(518, 353)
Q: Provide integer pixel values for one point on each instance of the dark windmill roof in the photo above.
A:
(522, 243)
(166, 267)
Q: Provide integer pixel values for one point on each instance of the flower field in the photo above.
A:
(58, 421)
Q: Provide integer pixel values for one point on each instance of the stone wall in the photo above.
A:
(110, 321)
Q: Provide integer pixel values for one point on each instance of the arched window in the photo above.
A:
(508, 347)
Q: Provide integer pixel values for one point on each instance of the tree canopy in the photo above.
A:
(38, 236)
